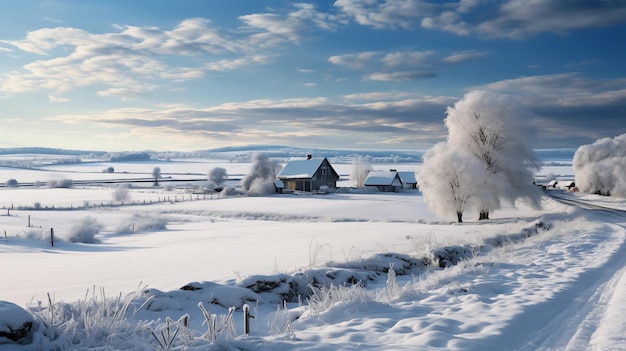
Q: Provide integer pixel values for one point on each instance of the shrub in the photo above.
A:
(120, 193)
(85, 231)
(61, 183)
(230, 191)
(142, 224)
(12, 183)
(261, 186)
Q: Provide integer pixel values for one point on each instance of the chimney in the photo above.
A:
(309, 156)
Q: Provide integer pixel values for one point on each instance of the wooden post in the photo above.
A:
(5, 236)
(28, 221)
(246, 320)
(52, 236)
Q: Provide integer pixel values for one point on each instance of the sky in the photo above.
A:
(358, 74)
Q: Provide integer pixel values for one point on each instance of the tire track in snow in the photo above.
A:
(610, 335)
(583, 322)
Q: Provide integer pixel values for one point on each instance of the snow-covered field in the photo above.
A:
(550, 279)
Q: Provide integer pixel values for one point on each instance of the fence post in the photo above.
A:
(246, 320)
(52, 236)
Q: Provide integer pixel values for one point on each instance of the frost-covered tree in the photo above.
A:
(264, 170)
(217, 176)
(360, 169)
(121, 193)
(156, 174)
(495, 130)
(600, 168)
(449, 180)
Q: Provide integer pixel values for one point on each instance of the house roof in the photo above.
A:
(381, 178)
(407, 177)
(301, 168)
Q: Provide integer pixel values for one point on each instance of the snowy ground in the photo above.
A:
(560, 285)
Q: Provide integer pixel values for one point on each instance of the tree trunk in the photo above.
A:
(483, 215)
(459, 217)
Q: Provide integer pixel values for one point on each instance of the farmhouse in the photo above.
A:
(308, 174)
(384, 181)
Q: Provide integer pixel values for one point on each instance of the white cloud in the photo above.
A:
(356, 61)
(52, 98)
(566, 89)
(401, 65)
(504, 19)
(135, 60)
(464, 56)
(408, 58)
(377, 96)
(254, 120)
(270, 29)
(399, 76)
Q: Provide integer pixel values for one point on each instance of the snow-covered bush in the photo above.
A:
(156, 174)
(360, 169)
(263, 168)
(35, 234)
(230, 191)
(85, 231)
(121, 193)
(217, 176)
(12, 183)
(600, 168)
(262, 187)
(61, 183)
(139, 223)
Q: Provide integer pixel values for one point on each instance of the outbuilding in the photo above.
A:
(384, 181)
(408, 179)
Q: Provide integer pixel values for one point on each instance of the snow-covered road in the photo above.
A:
(594, 306)
(563, 291)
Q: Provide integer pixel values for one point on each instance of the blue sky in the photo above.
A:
(360, 74)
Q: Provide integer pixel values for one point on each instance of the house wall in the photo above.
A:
(324, 176)
(298, 184)
(388, 188)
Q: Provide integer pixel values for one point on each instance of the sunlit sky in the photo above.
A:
(361, 74)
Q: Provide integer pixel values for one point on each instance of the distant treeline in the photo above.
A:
(244, 154)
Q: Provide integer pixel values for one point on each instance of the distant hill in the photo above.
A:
(338, 155)
(46, 151)
(244, 153)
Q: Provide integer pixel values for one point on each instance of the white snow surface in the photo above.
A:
(549, 279)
